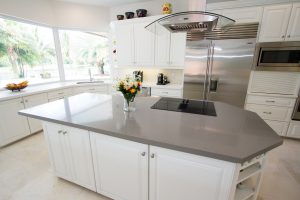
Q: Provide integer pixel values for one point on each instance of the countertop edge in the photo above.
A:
(159, 144)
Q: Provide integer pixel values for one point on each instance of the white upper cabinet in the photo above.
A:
(31, 101)
(275, 22)
(138, 47)
(124, 44)
(177, 49)
(177, 176)
(244, 15)
(162, 46)
(121, 167)
(143, 45)
(12, 125)
(293, 32)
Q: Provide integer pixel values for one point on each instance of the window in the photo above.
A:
(27, 52)
(83, 52)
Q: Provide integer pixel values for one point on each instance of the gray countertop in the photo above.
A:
(235, 135)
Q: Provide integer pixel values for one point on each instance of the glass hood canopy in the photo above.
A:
(191, 21)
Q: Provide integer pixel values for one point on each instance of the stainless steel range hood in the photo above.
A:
(192, 22)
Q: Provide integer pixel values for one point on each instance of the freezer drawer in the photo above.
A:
(271, 112)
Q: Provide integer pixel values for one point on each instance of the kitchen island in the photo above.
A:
(155, 154)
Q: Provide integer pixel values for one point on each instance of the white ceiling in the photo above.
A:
(104, 2)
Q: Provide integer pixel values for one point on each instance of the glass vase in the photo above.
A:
(129, 105)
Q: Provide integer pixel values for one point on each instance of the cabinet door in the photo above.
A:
(12, 125)
(294, 129)
(274, 23)
(177, 49)
(57, 150)
(244, 15)
(31, 101)
(125, 45)
(293, 33)
(162, 46)
(121, 167)
(144, 41)
(80, 155)
(177, 175)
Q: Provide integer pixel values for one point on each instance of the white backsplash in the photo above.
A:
(175, 76)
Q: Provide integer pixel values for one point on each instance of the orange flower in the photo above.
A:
(132, 90)
(139, 83)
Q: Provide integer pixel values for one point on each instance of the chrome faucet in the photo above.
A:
(90, 74)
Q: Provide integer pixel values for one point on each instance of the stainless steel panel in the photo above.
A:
(231, 70)
(195, 69)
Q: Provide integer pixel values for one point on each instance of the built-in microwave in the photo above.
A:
(277, 56)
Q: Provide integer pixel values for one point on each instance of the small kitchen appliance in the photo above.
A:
(138, 75)
(162, 79)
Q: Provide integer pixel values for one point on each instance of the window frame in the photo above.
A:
(57, 46)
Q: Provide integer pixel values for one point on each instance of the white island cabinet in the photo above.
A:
(126, 170)
(70, 154)
(121, 167)
(177, 175)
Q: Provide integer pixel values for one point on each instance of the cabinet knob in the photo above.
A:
(21, 101)
(270, 101)
(282, 36)
(152, 155)
(289, 36)
(143, 153)
(65, 132)
(269, 113)
(59, 132)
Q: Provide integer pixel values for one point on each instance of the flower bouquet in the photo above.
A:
(129, 88)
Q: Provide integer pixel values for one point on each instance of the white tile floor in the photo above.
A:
(25, 174)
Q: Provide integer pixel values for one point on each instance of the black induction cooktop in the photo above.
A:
(186, 105)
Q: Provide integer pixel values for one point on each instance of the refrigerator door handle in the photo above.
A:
(211, 63)
(205, 89)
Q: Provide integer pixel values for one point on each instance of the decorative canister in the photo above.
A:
(167, 8)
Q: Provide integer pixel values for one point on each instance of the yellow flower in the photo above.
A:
(132, 90)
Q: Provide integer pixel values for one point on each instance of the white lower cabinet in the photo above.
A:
(121, 167)
(176, 175)
(31, 101)
(279, 127)
(294, 129)
(12, 125)
(70, 154)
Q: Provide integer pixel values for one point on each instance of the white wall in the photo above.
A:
(58, 14)
(32, 10)
(78, 16)
(155, 7)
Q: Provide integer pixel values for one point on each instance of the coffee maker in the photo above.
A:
(162, 79)
(138, 75)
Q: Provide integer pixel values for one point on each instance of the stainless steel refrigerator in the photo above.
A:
(218, 69)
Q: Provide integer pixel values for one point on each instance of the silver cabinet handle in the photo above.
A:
(269, 113)
(21, 101)
(60, 93)
(65, 132)
(165, 92)
(270, 101)
(282, 36)
(289, 36)
(59, 132)
(152, 155)
(143, 153)
(26, 101)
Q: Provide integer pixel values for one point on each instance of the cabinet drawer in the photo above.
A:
(272, 101)
(294, 129)
(166, 92)
(93, 89)
(59, 93)
(279, 127)
(271, 112)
